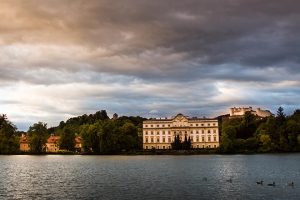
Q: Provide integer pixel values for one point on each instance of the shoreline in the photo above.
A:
(156, 152)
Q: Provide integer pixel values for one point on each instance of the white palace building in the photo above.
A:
(160, 133)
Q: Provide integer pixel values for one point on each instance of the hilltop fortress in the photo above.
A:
(240, 111)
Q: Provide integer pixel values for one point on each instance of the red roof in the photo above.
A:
(23, 139)
(53, 139)
(78, 140)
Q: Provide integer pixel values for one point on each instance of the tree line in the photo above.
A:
(102, 135)
(99, 134)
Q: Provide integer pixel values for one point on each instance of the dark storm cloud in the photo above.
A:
(143, 35)
(154, 56)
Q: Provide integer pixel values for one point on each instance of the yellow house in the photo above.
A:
(78, 145)
(24, 145)
(52, 144)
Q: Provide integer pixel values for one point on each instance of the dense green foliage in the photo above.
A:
(9, 140)
(101, 135)
(179, 145)
(67, 140)
(38, 135)
(252, 134)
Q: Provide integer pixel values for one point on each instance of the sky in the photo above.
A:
(64, 58)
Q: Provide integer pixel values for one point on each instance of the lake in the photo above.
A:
(149, 177)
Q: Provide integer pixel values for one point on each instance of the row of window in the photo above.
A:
(169, 132)
(169, 147)
(168, 125)
(197, 139)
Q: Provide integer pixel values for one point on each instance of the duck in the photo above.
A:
(271, 184)
(229, 180)
(291, 184)
(204, 179)
(260, 182)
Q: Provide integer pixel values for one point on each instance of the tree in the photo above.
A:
(9, 141)
(38, 136)
(280, 118)
(228, 139)
(67, 140)
(176, 144)
(265, 143)
(186, 145)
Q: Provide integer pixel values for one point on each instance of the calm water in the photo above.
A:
(149, 177)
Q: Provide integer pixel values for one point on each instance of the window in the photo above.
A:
(197, 138)
(196, 124)
(192, 139)
(157, 125)
(157, 147)
(203, 139)
(151, 125)
(146, 125)
(164, 147)
(191, 124)
(202, 124)
(163, 125)
(202, 131)
(164, 139)
(214, 124)
(152, 140)
(151, 132)
(215, 146)
(208, 146)
(157, 139)
(208, 138)
(215, 131)
(146, 147)
(157, 133)
(146, 139)
(146, 132)
(169, 125)
(169, 139)
(215, 138)
(208, 124)
(197, 132)
(163, 132)
(208, 131)
(197, 146)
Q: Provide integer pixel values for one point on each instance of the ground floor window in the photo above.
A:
(146, 147)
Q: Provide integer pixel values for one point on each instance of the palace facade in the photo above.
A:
(160, 133)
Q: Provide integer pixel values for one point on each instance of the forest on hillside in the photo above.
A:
(251, 134)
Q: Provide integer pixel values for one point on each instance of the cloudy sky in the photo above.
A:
(63, 58)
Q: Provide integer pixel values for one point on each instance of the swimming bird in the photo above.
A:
(291, 184)
(229, 180)
(260, 182)
(271, 184)
(204, 179)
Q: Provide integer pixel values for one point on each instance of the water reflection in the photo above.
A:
(149, 177)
